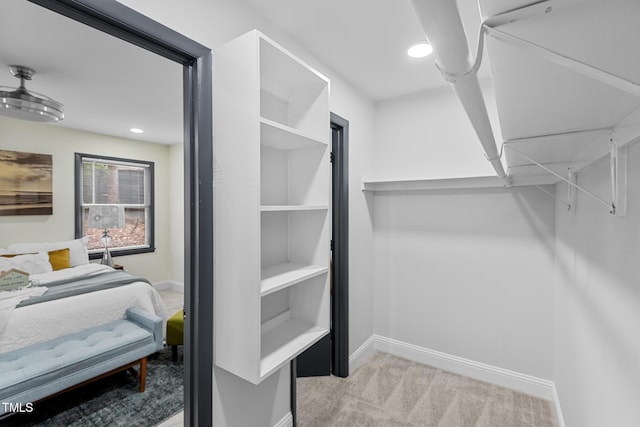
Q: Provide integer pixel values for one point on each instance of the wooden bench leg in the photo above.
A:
(143, 374)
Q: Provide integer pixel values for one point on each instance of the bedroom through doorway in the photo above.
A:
(175, 113)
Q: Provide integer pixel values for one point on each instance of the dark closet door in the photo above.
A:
(330, 354)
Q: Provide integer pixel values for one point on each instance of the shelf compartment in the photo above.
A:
(284, 71)
(284, 342)
(291, 93)
(291, 208)
(294, 177)
(300, 237)
(277, 277)
(292, 319)
(283, 137)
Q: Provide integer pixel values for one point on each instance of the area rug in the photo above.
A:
(115, 400)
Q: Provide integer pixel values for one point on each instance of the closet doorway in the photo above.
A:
(126, 24)
(330, 355)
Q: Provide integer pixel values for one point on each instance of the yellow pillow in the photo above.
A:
(59, 259)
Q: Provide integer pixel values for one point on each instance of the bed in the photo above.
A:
(61, 301)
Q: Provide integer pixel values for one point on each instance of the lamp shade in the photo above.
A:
(19, 103)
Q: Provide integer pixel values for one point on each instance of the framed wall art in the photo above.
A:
(25, 183)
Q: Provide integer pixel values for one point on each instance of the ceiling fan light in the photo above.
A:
(21, 104)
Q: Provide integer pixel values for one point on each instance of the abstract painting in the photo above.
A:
(25, 183)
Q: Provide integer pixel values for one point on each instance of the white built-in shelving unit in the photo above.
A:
(272, 216)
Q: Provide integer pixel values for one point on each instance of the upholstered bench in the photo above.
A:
(175, 333)
(40, 370)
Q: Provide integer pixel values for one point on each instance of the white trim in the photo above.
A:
(286, 421)
(523, 383)
(169, 284)
(361, 355)
(556, 405)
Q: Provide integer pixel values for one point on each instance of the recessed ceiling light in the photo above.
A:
(419, 50)
(136, 130)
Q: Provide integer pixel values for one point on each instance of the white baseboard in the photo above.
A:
(286, 421)
(556, 405)
(523, 383)
(361, 355)
(169, 284)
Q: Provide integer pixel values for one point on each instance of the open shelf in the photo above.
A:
(283, 137)
(434, 184)
(294, 177)
(282, 74)
(280, 276)
(300, 237)
(291, 93)
(284, 342)
(289, 208)
(272, 207)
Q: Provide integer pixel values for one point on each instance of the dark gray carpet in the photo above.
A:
(115, 400)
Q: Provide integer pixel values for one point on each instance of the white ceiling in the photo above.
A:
(366, 41)
(107, 86)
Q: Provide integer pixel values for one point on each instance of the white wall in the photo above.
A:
(428, 135)
(597, 304)
(212, 23)
(176, 212)
(468, 273)
(61, 143)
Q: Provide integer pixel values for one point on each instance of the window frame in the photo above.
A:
(78, 208)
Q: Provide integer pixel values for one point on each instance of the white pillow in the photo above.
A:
(78, 253)
(29, 263)
(3, 251)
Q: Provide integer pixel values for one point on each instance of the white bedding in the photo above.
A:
(40, 322)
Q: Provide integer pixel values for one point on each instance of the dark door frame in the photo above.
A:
(340, 246)
(120, 21)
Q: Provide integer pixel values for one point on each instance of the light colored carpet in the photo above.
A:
(388, 391)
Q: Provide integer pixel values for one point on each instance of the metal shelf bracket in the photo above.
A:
(618, 179)
(618, 161)
(571, 191)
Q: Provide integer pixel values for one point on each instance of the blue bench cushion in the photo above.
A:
(41, 363)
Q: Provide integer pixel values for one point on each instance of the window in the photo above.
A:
(115, 195)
